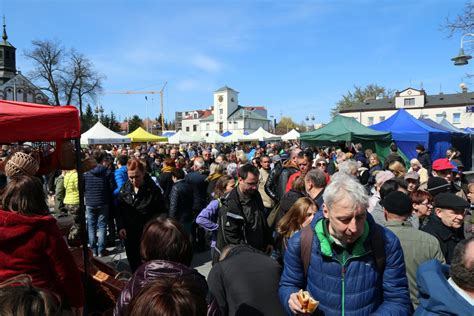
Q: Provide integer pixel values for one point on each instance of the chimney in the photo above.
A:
(463, 87)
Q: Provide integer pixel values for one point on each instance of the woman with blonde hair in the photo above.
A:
(397, 168)
(297, 217)
(415, 166)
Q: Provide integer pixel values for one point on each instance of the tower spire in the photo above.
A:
(4, 36)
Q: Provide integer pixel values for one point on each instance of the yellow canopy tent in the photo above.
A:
(140, 136)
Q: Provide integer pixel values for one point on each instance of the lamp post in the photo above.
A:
(310, 118)
(462, 59)
(99, 110)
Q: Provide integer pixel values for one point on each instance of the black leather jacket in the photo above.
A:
(135, 210)
(272, 182)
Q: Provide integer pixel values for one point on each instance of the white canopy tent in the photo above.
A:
(291, 135)
(260, 135)
(234, 138)
(214, 138)
(182, 137)
(99, 134)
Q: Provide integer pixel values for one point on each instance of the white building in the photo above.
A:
(456, 108)
(224, 115)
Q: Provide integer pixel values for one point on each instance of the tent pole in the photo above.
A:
(82, 211)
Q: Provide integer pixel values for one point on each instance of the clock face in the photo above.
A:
(232, 100)
(220, 98)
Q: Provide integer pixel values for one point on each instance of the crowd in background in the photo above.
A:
(277, 218)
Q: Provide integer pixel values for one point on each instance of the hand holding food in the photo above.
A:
(308, 304)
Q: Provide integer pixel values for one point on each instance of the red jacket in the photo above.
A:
(292, 179)
(33, 245)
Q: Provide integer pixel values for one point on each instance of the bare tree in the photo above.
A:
(48, 57)
(462, 23)
(68, 76)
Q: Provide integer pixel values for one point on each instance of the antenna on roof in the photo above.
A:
(421, 86)
(440, 88)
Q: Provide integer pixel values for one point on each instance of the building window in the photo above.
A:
(382, 118)
(371, 120)
(456, 118)
(424, 116)
(207, 126)
(221, 111)
(195, 128)
(409, 101)
(439, 117)
(187, 128)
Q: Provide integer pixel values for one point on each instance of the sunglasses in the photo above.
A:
(320, 164)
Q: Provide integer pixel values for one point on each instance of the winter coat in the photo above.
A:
(425, 160)
(181, 202)
(272, 182)
(157, 269)
(447, 237)
(71, 185)
(166, 183)
(134, 211)
(246, 289)
(34, 245)
(288, 169)
(99, 186)
(242, 221)
(437, 296)
(121, 176)
(264, 175)
(418, 247)
(353, 287)
(207, 219)
(197, 182)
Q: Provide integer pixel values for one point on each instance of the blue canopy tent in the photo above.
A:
(407, 132)
(459, 139)
(226, 133)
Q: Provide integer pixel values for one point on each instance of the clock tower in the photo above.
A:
(226, 102)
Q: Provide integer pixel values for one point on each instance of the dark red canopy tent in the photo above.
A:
(20, 121)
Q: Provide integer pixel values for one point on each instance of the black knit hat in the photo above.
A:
(437, 185)
(397, 203)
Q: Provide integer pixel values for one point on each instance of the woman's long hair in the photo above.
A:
(295, 217)
(25, 195)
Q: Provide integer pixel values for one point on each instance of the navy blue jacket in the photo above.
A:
(437, 296)
(99, 186)
(197, 182)
(357, 288)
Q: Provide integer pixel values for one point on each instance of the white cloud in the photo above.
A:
(206, 63)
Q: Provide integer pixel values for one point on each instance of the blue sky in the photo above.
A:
(295, 57)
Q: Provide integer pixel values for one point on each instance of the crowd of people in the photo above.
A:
(362, 233)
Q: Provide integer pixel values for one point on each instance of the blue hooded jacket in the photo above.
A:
(437, 296)
(355, 288)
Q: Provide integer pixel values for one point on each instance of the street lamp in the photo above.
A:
(99, 110)
(462, 59)
(310, 118)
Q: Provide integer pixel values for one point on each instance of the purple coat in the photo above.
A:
(153, 270)
(207, 219)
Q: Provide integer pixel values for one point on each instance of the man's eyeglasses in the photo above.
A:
(320, 164)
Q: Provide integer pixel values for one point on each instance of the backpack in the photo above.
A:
(377, 242)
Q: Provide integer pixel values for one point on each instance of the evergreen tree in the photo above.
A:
(134, 123)
(114, 124)
(88, 119)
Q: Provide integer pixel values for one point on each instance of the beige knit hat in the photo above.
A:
(21, 163)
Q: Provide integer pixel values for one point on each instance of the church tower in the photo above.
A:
(7, 57)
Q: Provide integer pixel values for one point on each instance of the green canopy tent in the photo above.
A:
(347, 129)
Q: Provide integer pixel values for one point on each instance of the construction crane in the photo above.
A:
(147, 92)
